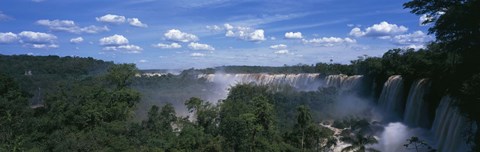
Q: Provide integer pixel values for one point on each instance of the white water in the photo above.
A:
(303, 81)
(391, 98)
(416, 110)
(344, 82)
(449, 127)
(395, 136)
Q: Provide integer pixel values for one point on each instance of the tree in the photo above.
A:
(14, 115)
(359, 143)
(417, 144)
(304, 119)
(206, 114)
(121, 75)
(457, 30)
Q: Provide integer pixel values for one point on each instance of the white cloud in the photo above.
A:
(197, 54)
(143, 61)
(179, 36)
(329, 41)
(76, 40)
(92, 29)
(136, 22)
(8, 37)
(37, 40)
(278, 46)
(214, 28)
(293, 35)
(168, 46)
(199, 46)
(228, 26)
(4, 17)
(130, 48)
(257, 35)
(357, 32)
(416, 47)
(423, 19)
(111, 18)
(379, 30)
(36, 37)
(247, 34)
(114, 40)
(43, 46)
(240, 32)
(124, 48)
(281, 52)
(119, 43)
(415, 38)
(70, 26)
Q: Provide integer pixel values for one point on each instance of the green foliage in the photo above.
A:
(121, 75)
(418, 144)
(358, 143)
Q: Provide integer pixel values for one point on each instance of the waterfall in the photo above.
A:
(416, 110)
(344, 82)
(303, 81)
(449, 127)
(391, 99)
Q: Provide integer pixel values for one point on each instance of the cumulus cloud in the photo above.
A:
(70, 26)
(278, 46)
(119, 43)
(35, 40)
(136, 22)
(199, 46)
(281, 52)
(247, 34)
(168, 46)
(76, 40)
(179, 36)
(240, 32)
(197, 54)
(228, 26)
(383, 29)
(111, 18)
(114, 40)
(293, 35)
(415, 38)
(329, 41)
(8, 37)
(36, 37)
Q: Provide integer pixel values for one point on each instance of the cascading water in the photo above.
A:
(416, 110)
(391, 99)
(344, 82)
(449, 127)
(304, 81)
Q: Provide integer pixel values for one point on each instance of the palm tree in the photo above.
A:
(359, 143)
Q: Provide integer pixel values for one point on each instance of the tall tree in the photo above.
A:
(304, 119)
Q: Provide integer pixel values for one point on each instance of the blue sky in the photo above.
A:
(177, 34)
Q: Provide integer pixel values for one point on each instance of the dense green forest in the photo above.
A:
(56, 103)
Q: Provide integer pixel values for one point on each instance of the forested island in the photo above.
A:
(52, 103)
